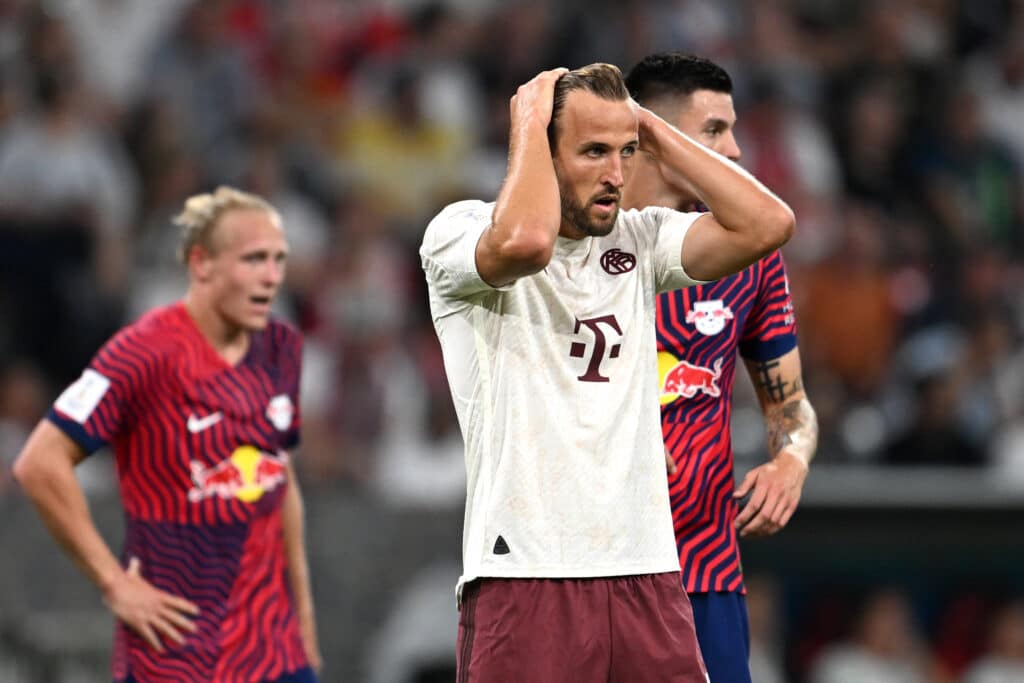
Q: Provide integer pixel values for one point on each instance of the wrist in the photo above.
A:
(529, 128)
(797, 455)
(108, 580)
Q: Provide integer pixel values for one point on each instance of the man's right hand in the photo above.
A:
(534, 100)
(148, 611)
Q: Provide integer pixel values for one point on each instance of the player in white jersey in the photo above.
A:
(544, 302)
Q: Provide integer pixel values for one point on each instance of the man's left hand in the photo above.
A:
(774, 489)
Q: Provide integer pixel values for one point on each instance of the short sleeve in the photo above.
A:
(448, 255)
(770, 329)
(293, 382)
(94, 409)
(672, 227)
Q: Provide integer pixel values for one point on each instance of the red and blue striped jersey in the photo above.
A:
(700, 330)
(200, 448)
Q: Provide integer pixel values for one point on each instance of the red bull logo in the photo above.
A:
(684, 379)
(709, 316)
(246, 475)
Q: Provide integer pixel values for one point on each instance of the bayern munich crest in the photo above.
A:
(617, 262)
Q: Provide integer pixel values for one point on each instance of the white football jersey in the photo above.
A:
(555, 382)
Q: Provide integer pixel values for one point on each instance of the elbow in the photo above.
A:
(524, 248)
(24, 472)
(529, 255)
(777, 225)
(32, 470)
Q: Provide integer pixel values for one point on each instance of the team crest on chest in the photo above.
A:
(280, 412)
(709, 316)
(617, 262)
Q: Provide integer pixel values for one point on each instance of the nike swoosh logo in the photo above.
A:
(198, 424)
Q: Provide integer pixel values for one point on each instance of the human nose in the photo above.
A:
(730, 148)
(273, 274)
(613, 174)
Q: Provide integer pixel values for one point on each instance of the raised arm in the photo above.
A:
(792, 428)
(528, 211)
(45, 470)
(746, 220)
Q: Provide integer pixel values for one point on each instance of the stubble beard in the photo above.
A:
(578, 216)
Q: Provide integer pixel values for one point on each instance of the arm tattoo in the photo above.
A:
(771, 382)
(793, 426)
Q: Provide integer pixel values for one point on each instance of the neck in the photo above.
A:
(229, 341)
(569, 230)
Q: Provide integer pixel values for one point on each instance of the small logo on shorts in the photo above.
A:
(500, 547)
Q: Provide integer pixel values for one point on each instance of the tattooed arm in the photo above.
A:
(792, 428)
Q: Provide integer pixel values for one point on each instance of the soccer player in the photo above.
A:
(199, 403)
(544, 304)
(699, 332)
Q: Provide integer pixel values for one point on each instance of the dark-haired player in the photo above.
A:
(699, 331)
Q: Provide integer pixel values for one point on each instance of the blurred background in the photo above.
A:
(895, 129)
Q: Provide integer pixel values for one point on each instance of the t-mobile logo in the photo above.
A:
(579, 349)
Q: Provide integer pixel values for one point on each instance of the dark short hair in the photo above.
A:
(603, 80)
(670, 74)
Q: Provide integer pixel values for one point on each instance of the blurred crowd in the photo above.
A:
(886, 634)
(892, 127)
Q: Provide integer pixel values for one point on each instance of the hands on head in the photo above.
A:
(534, 100)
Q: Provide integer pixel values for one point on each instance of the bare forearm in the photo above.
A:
(58, 497)
(529, 196)
(739, 202)
(792, 426)
(293, 520)
(527, 213)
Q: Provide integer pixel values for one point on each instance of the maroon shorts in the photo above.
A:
(623, 629)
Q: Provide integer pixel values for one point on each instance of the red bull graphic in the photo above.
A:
(709, 316)
(686, 379)
(271, 472)
(246, 475)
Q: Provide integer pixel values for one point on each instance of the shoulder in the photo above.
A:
(773, 269)
(460, 215)
(449, 247)
(156, 334)
(657, 215)
(650, 220)
(284, 335)
(637, 225)
(773, 260)
(651, 215)
(141, 350)
(469, 209)
(278, 346)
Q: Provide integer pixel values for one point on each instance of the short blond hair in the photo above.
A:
(202, 212)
